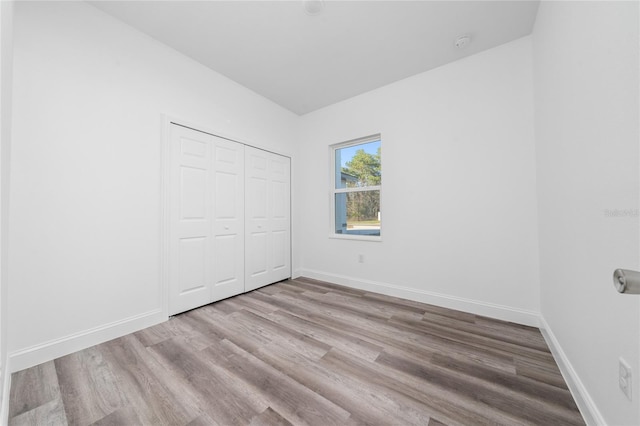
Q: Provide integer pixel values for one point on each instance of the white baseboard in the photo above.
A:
(587, 407)
(505, 313)
(296, 273)
(37, 354)
(6, 389)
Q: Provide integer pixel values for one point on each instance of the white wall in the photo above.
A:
(6, 69)
(89, 92)
(586, 124)
(459, 196)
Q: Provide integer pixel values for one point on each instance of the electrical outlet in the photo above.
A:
(624, 377)
(361, 258)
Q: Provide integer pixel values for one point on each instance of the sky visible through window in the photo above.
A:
(346, 154)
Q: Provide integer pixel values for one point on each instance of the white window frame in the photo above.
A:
(333, 190)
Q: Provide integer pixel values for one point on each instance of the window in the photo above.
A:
(355, 188)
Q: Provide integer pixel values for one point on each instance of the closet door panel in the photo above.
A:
(280, 194)
(257, 255)
(256, 218)
(267, 250)
(190, 215)
(228, 222)
(192, 266)
(279, 252)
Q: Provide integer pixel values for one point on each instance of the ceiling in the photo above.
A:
(305, 62)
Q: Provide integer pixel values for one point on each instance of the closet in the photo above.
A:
(229, 218)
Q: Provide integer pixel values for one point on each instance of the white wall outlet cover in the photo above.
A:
(625, 378)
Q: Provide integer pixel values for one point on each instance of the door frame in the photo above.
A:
(167, 121)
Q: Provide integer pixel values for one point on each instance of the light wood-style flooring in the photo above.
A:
(304, 352)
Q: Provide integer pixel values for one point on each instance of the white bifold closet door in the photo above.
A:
(206, 250)
(267, 218)
(229, 218)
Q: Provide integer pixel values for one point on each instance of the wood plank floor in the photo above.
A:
(304, 352)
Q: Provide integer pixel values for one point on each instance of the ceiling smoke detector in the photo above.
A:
(313, 7)
(462, 41)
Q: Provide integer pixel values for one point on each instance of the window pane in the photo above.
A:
(358, 213)
(358, 166)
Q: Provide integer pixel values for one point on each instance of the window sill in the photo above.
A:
(356, 237)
